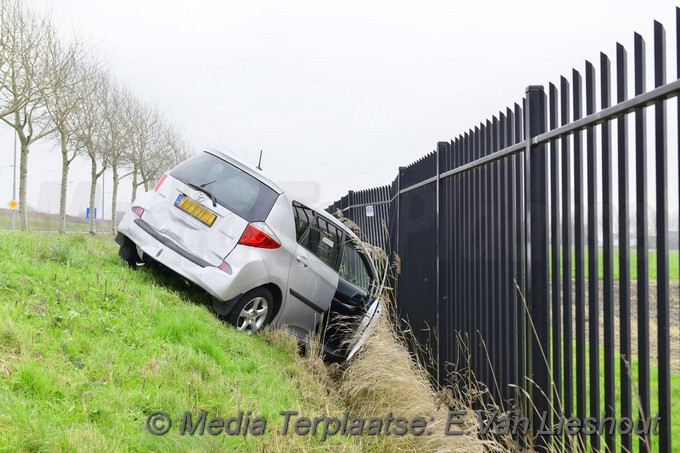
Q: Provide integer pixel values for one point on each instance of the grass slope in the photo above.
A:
(89, 348)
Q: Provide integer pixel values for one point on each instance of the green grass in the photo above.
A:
(673, 264)
(89, 348)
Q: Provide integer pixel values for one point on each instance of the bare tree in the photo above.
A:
(12, 18)
(164, 153)
(26, 76)
(179, 148)
(7, 12)
(62, 100)
(651, 221)
(90, 133)
(673, 221)
(46, 88)
(146, 126)
(148, 146)
(116, 108)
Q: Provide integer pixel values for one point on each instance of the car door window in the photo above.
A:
(324, 240)
(353, 267)
(318, 235)
(303, 218)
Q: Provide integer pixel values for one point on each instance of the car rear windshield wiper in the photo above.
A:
(205, 191)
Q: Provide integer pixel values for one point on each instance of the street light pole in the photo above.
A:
(14, 184)
(103, 180)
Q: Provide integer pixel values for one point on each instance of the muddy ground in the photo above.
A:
(674, 296)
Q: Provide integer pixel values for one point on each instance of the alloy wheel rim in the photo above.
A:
(252, 316)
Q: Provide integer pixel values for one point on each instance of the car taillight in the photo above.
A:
(138, 210)
(160, 181)
(259, 235)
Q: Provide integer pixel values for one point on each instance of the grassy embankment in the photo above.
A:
(89, 348)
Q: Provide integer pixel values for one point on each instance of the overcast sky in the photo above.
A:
(337, 93)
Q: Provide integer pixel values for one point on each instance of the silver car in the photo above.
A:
(265, 259)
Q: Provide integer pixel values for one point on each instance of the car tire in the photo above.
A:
(128, 253)
(253, 311)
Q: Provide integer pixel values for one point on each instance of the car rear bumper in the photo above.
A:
(164, 250)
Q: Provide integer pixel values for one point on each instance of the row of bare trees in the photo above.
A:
(56, 90)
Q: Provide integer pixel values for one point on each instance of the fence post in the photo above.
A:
(350, 205)
(442, 149)
(398, 220)
(538, 294)
(394, 231)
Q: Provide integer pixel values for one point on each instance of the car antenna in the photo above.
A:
(259, 164)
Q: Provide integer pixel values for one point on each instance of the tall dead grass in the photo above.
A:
(385, 377)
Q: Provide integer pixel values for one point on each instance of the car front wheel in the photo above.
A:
(253, 311)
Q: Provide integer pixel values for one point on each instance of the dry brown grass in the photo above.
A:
(384, 377)
(318, 393)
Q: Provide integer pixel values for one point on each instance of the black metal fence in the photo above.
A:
(370, 210)
(501, 232)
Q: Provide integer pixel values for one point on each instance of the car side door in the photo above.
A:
(355, 268)
(313, 276)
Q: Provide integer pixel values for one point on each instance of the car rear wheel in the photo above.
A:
(128, 252)
(253, 311)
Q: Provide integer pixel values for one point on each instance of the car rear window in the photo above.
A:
(233, 188)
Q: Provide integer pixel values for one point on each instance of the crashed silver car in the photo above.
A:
(264, 258)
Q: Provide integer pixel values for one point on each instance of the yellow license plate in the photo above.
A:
(195, 210)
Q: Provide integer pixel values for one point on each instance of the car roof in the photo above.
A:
(247, 169)
(259, 176)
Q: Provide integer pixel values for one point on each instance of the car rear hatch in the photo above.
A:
(205, 204)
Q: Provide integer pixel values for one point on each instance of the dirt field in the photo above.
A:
(674, 296)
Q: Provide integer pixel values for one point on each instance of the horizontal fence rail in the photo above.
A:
(535, 253)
